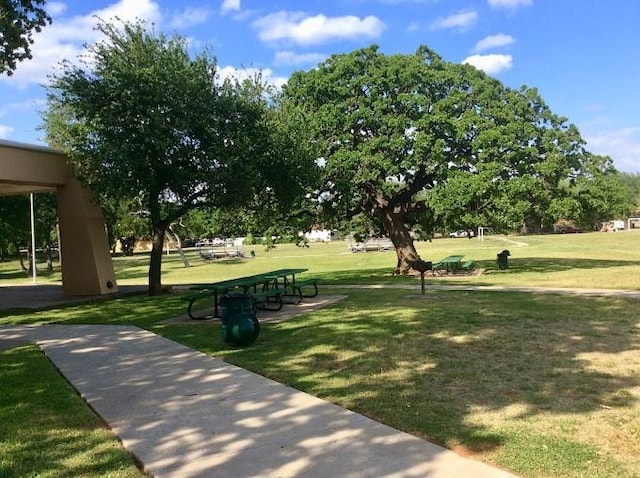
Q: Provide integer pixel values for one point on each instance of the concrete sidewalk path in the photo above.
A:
(182, 413)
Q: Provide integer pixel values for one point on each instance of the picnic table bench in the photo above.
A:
(268, 291)
(197, 297)
(300, 285)
(467, 266)
(220, 251)
(453, 264)
(448, 264)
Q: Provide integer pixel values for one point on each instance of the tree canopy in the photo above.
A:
(411, 139)
(19, 19)
(143, 120)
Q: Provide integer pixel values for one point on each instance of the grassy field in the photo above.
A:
(542, 385)
(593, 260)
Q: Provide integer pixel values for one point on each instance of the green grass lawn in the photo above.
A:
(47, 430)
(542, 385)
(588, 260)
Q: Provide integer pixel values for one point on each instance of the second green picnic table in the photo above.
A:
(450, 263)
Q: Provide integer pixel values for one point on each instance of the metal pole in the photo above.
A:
(33, 241)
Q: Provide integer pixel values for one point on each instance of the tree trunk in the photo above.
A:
(21, 259)
(401, 238)
(155, 263)
(49, 258)
(183, 256)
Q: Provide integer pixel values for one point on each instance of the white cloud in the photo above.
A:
(292, 58)
(246, 73)
(304, 30)
(509, 4)
(129, 10)
(460, 20)
(191, 16)
(490, 64)
(65, 37)
(5, 131)
(493, 41)
(622, 145)
(55, 8)
(229, 6)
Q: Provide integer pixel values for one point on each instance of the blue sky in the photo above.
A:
(582, 55)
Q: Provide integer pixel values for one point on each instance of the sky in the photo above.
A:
(583, 56)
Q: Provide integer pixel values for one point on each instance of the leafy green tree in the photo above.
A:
(19, 19)
(631, 182)
(414, 139)
(143, 120)
(126, 223)
(602, 194)
(15, 226)
(286, 206)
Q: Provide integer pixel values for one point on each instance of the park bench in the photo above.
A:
(380, 244)
(220, 251)
(467, 266)
(268, 299)
(195, 297)
(305, 284)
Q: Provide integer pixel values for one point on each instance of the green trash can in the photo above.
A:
(239, 323)
(503, 259)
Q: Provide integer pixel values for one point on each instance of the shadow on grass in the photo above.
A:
(447, 366)
(462, 369)
(63, 437)
(138, 309)
(137, 267)
(26, 275)
(516, 266)
(547, 265)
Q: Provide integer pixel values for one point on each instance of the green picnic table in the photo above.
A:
(450, 263)
(273, 283)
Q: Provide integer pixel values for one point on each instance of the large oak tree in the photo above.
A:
(142, 119)
(413, 138)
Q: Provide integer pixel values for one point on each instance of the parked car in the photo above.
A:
(461, 233)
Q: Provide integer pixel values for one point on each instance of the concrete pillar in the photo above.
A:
(86, 262)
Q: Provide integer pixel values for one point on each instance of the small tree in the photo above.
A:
(19, 19)
(144, 120)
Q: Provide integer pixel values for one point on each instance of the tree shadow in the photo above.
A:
(454, 355)
(547, 265)
(429, 365)
(516, 266)
(182, 413)
(136, 267)
(41, 272)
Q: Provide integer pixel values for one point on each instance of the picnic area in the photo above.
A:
(511, 367)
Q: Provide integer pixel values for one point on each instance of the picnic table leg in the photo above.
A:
(215, 303)
(291, 284)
